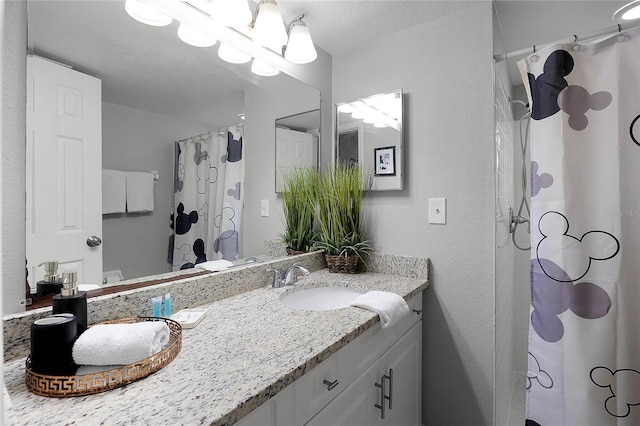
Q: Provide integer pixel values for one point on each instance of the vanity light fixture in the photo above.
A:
(141, 11)
(628, 12)
(232, 13)
(300, 48)
(195, 37)
(259, 67)
(203, 22)
(230, 54)
(268, 29)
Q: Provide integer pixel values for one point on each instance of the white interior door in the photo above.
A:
(293, 150)
(64, 170)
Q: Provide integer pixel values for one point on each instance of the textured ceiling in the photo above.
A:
(149, 68)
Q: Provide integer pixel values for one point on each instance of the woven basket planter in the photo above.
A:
(292, 252)
(342, 264)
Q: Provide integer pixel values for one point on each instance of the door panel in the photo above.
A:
(64, 170)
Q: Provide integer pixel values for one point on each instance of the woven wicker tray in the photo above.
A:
(67, 386)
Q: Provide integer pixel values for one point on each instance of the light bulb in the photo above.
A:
(194, 37)
(300, 48)
(230, 54)
(269, 30)
(143, 12)
(261, 68)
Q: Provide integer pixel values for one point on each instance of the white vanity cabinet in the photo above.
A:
(379, 372)
(387, 393)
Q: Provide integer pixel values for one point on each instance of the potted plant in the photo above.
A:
(299, 194)
(340, 218)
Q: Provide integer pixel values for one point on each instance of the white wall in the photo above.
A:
(141, 141)
(445, 70)
(13, 107)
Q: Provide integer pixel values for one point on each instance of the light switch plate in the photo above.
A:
(438, 211)
(264, 208)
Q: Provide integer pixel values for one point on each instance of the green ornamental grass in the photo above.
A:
(299, 196)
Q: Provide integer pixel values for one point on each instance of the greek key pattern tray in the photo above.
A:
(67, 386)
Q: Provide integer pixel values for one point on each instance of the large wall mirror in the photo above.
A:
(155, 90)
(369, 133)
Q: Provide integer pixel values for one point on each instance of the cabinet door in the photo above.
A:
(404, 387)
(356, 405)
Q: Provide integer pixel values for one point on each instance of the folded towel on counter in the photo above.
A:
(120, 344)
(114, 191)
(214, 265)
(390, 306)
(139, 192)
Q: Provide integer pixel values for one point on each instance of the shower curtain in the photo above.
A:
(584, 333)
(207, 205)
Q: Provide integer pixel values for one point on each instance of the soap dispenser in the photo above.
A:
(51, 284)
(72, 301)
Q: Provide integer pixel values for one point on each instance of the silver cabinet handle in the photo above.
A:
(381, 406)
(330, 385)
(384, 395)
(390, 397)
(93, 241)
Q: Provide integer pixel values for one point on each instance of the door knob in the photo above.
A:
(93, 241)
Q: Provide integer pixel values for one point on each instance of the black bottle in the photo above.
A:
(72, 301)
(51, 284)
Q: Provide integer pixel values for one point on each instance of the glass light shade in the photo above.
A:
(232, 55)
(300, 49)
(261, 68)
(231, 13)
(628, 12)
(269, 30)
(345, 108)
(142, 12)
(194, 37)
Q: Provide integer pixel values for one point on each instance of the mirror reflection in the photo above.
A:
(369, 133)
(155, 91)
(297, 143)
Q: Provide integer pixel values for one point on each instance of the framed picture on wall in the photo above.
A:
(385, 161)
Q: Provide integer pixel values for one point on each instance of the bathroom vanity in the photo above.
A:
(255, 361)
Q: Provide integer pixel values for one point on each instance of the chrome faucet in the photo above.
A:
(290, 276)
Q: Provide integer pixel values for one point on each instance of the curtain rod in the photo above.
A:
(210, 132)
(602, 32)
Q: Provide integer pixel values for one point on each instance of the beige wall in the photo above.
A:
(445, 70)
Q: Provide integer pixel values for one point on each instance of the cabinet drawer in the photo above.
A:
(323, 383)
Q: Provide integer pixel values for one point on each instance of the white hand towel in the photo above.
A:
(114, 191)
(390, 306)
(214, 265)
(120, 344)
(139, 192)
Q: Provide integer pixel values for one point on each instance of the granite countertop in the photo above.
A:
(248, 348)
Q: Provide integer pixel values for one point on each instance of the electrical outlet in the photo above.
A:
(438, 211)
(264, 208)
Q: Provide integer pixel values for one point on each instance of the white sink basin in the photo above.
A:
(320, 299)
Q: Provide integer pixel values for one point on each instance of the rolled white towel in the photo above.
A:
(120, 344)
(390, 306)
